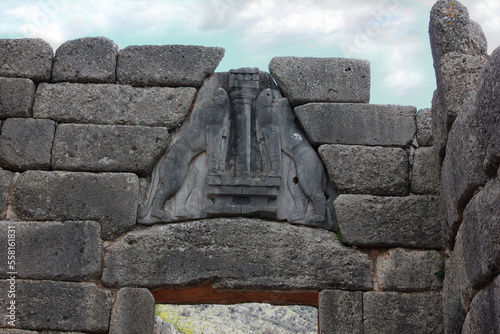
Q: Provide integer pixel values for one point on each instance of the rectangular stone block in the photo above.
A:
(108, 148)
(26, 58)
(340, 312)
(133, 312)
(424, 127)
(69, 251)
(167, 65)
(23, 331)
(425, 179)
(17, 97)
(26, 143)
(113, 104)
(5, 183)
(484, 314)
(401, 269)
(367, 170)
(372, 221)
(307, 79)
(109, 198)
(60, 306)
(396, 313)
(357, 124)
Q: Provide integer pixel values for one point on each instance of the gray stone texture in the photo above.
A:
(89, 59)
(340, 312)
(462, 172)
(426, 172)
(108, 148)
(26, 58)
(488, 112)
(451, 30)
(373, 221)
(109, 198)
(357, 124)
(401, 269)
(69, 251)
(236, 253)
(396, 313)
(439, 131)
(168, 65)
(26, 143)
(367, 170)
(133, 312)
(63, 306)
(306, 79)
(481, 233)
(5, 184)
(17, 99)
(23, 331)
(113, 104)
(424, 127)
(484, 315)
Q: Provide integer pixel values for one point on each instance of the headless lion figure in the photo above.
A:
(207, 131)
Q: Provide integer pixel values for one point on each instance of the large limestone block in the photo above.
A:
(484, 315)
(26, 143)
(426, 172)
(109, 198)
(481, 233)
(133, 312)
(236, 253)
(488, 112)
(374, 221)
(60, 306)
(17, 97)
(108, 148)
(89, 59)
(26, 58)
(401, 269)
(439, 131)
(167, 65)
(451, 30)
(306, 79)
(69, 251)
(367, 170)
(113, 104)
(424, 127)
(340, 312)
(357, 124)
(5, 184)
(396, 313)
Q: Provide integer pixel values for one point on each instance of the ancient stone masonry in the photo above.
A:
(138, 176)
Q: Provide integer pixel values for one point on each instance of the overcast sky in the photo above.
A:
(391, 34)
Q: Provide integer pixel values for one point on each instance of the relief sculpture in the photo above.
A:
(240, 153)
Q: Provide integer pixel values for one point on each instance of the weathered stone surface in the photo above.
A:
(481, 233)
(367, 170)
(133, 312)
(357, 124)
(168, 65)
(408, 270)
(64, 306)
(89, 59)
(5, 183)
(372, 221)
(23, 331)
(17, 97)
(109, 198)
(306, 79)
(488, 112)
(113, 104)
(26, 143)
(426, 172)
(439, 131)
(484, 315)
(396, 313)
(108, 148)
(26, 58)
(340, 312)
(424, 127)
(462, 173)
(451, 30)
(236, 253)
(54, 250)
(162, 327)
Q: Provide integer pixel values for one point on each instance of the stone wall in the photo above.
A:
(80, 133)
(466, 129)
